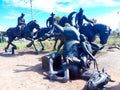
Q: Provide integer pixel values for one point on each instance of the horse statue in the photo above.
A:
(26, 33)
(46, 30)
(100, 30)
(62, 23)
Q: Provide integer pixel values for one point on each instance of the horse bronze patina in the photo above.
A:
(100, 30)
(26, 33)
(47, 31)
(72, 61)
(71, 51)
(90, 31)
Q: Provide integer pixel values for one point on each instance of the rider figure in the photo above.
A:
(49, 23)
(79, 19)
(21, 22)
(50, 20)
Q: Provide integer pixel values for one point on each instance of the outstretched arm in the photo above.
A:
(47, 22)
(88, 19)
(85, 48)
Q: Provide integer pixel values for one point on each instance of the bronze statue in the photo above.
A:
(79, 19)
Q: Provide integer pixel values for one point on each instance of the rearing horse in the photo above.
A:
(100, 30)
(26, 33)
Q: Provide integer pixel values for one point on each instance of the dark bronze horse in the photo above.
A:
(27, 33)
(100, 30)
(42, 32)
(45, 30)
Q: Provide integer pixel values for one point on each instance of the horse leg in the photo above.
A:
(6, 48)
(29, 44)
(13, 48)
(32, 43)
(56, 40)
(42, 45)
(60, 45)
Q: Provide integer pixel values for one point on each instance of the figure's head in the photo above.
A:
(22, 14)
(81, 10)
(52, 14)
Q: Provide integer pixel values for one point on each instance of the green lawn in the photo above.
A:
(49, 43)
(22, 44)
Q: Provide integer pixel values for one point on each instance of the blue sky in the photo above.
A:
(105, 11)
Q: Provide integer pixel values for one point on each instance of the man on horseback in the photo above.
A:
(79, 19)
(21, 21)
(50, 21)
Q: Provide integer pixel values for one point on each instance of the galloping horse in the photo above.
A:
(43, 31)
(62, 22)
(101, 30)
(27, 33)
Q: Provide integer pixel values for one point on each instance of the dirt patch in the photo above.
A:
(23, 71)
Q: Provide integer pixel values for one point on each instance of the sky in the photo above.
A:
(105, 11)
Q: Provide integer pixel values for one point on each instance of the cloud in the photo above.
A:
(11, 15)
(111, 19)
(61, 5)
(97, 3)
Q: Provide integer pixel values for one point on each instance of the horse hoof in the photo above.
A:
(42, 49)
(54, 49)
(13, 53)
(37, 53)
(5, 50)
(28, 45)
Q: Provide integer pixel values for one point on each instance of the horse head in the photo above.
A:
(62, 21)
(99, 80)
(103, 31)
(33, 24)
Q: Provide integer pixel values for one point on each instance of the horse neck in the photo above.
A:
(99, 28)
(30, 27)
(89, 32)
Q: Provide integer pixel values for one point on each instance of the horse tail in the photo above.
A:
(4, 34)
(70, 17)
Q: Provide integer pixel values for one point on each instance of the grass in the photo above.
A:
(48, 44)
(114, 41)
(22, 45)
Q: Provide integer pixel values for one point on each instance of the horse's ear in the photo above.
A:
(108, 29)
(35, 21)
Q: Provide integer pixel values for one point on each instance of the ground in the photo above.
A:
(23, 71)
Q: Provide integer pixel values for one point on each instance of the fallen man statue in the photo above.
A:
(77, 56)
